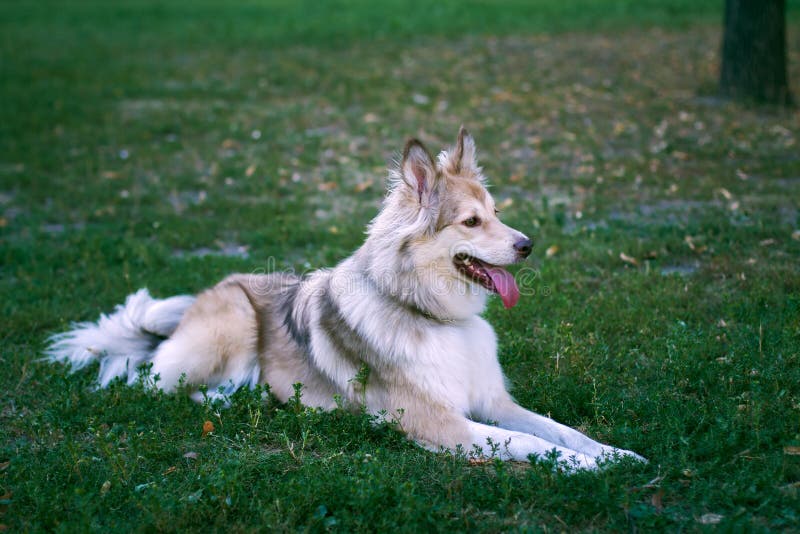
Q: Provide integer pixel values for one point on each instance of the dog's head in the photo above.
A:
(439, 225)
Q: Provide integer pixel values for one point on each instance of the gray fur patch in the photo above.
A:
(344, 338)
(289, 308)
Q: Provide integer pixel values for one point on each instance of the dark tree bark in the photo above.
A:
(754, 51)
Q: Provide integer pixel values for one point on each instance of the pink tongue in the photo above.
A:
(505, 285)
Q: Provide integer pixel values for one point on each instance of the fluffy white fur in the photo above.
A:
(122, 340)
(401, 306)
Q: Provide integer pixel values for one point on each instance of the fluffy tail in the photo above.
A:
(122, 340)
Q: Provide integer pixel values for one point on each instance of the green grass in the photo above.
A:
(127, 148)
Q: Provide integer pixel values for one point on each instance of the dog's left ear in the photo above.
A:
(461, 158)
(419, 172)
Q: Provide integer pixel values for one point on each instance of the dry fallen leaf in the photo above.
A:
(697, 248)
(191, 455)
(657, 500)
(628, 259)
(208, 427)
(792, 450)
(327, 186)
(105, 487)
(725, 193)
(230, 144)
(363, 186)
(170, 469)
(4, 465)
(551, 251)
(710, 519)
(250, 170)
(767, 242)
(792, 486)
(503, 96)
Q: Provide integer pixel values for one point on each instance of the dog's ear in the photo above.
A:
(419, 171)
(461, 159)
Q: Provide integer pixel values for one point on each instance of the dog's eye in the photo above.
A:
(472, 222)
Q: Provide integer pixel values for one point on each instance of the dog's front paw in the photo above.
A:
(614, 454)
(579, 462)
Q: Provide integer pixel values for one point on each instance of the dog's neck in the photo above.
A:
(390, 271)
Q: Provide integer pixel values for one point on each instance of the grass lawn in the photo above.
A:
(167, 144)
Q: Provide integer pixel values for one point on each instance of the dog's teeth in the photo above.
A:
(467, 261)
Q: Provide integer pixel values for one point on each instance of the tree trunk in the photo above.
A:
(754, 51)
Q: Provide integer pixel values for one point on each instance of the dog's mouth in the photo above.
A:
(490, 276)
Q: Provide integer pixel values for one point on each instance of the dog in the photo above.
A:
(395, 328)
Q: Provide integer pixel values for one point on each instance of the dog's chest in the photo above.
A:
(451, 364)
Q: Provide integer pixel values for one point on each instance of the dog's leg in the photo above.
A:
(510, 445)
(514, 417)
(435, 426)
(215, 344)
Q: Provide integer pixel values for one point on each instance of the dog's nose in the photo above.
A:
(524, 247)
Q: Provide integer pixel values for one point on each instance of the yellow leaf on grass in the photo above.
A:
(327, 186)
(505, 203)
(628, 259)
(208, 427)
(657, 500)
(363, 186)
